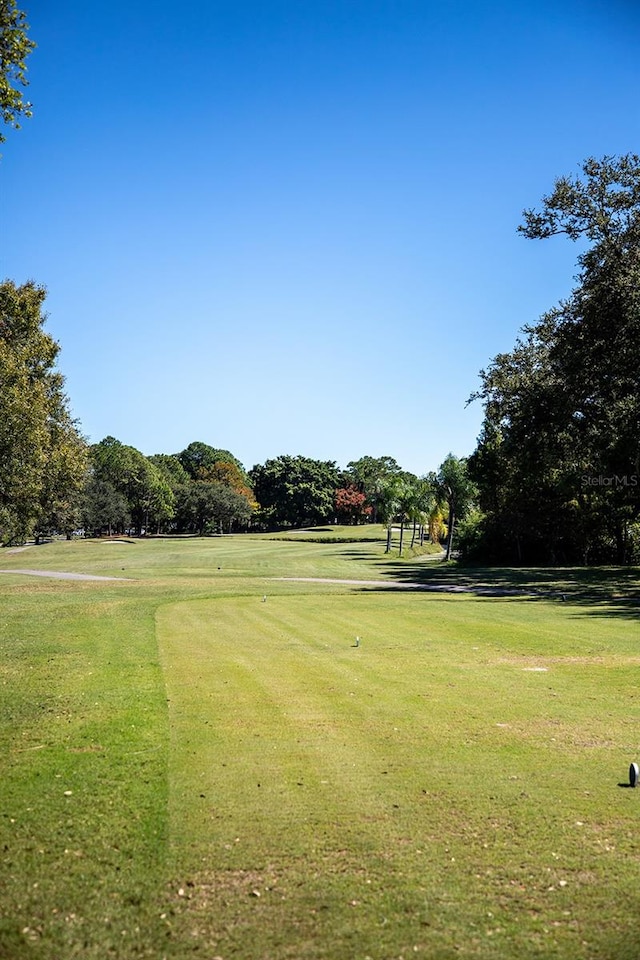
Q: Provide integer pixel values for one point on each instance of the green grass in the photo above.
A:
(193, 771)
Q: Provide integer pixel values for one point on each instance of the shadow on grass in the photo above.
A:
(602, 591)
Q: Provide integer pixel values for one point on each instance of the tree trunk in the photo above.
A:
(621, 552)
(452, 520)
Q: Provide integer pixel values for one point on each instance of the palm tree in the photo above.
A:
(407, 494)
(388, 505)
(421, 504)
(454, 486)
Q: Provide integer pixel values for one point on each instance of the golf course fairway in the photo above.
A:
(207, 761)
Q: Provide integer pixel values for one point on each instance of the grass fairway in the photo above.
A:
(193, 771)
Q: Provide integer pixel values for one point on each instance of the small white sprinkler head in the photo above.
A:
(264, 599)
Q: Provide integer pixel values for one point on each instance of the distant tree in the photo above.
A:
(207, 507)
(420, 506)
(436, 509)
(198, 456)
(389, 503)
(405, 498)
(296, 491)
(174, 480)
(42, 454)
(229, 474)
(15, 47)
(149, 496)
(369, 475)
(437, 526)
(170, 468)
(351, 505)
(103, 509)
(454, 486)
(157, 508)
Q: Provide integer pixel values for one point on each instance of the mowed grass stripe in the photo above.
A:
(403, 793)
(83, 792)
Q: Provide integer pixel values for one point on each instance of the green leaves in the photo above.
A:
(15, 47)
(602, 204)
(42, 455)
(562, 409)
(454, 486)
(296, 491)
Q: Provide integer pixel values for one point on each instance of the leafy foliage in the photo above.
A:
(351, 505)
(148, 495)
(371, 475)
(103, 508)
(558, 460)
(230, 475)
(42, 455)
(170, 468)
(295, 491)
(15, 47)
(436, 524)
(199, 457)
(454, 487)
(208, 507)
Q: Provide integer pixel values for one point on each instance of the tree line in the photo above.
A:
(53, 482)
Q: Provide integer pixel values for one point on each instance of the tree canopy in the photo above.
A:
(295, 491)
(127, 491)
(453, 486)
(211, 507)
(15, 47)
(371, 475)
(199, 457)
(146, 491)
(558, 459)
(351, 505)
(42, 454)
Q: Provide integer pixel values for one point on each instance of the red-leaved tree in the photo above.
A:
(351, 505)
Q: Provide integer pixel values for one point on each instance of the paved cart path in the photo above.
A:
(414, 585)
(59, 575)
(379, 584)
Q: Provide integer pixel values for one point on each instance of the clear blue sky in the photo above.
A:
(290, 227)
